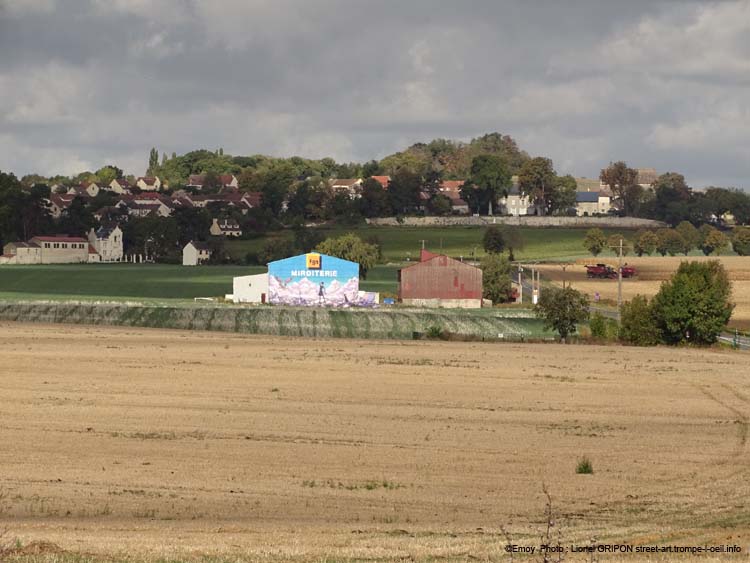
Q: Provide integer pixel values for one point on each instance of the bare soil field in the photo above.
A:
(137, 443)
(651, 272)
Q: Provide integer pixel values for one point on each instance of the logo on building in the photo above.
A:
(313, 261)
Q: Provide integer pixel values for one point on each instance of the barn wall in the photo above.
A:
(441, 278)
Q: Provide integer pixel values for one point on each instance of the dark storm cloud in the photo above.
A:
(660, 84)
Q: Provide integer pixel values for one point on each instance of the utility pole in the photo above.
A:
(423, 241)
(619, 283)
(520, 284)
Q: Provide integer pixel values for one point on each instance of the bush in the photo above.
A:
(598, 326)
(638, 324)
(595, 241)
(584, 466)
(496, 278)
(741, 241)
(434, 331)
(562, 309)
(693, 306)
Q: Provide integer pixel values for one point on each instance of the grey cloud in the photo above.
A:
(659, 84)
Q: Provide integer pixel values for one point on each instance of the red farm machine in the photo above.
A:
(604, 271)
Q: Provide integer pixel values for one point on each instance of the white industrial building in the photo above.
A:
(250, 289)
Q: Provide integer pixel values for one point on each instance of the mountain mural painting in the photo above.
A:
(314, 280)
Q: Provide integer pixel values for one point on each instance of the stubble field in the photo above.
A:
(185, 445)
(652, 271)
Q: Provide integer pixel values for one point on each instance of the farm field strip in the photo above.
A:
(302, 449)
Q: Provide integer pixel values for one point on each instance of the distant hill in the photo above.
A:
(453, 158)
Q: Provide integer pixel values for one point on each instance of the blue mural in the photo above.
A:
(313, 280)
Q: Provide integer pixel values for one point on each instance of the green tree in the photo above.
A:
(374, 201)
(489, 180)
(689, 234)
(562, 309)
(714, 241)
(563, 197)
(440, 205)
(671, 198)
(613, 242)
(621, 179)
(499, 238)
(496, 278)
(670, 242)
(493, 240)
(741, 240)
(638, 323)
(275, 249)
(537, 180)
(645, 242)
(107, 173)
(694, 305)
(595, 241)
(404, 191)
(153, 161)
(351, 247)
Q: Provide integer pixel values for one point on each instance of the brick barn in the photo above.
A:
(440, 281)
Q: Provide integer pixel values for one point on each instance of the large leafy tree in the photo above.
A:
(694, 305)
(496, 278)
(537, 180)
(489, 180)
(689, 234)
(404, 191)
(351, 247)
(562, 309)
(645, 242)
(595, 241)
(672, 197)
(374, 201)
(621, 180)
(638, 324)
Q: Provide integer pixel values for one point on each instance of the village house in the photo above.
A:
(107, 242)
(85, 189)
(225, 227)
(148, 183)
(197, 181)
(57, 249)
(120, 186)
(349, 186)
(516, 204)
(452, 190)
(382, 180)
(195, 253)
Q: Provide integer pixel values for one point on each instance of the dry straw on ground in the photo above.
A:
(162, 443)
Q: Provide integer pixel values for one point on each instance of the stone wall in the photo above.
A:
(525, 221)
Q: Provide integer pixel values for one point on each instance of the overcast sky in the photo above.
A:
(84, 83)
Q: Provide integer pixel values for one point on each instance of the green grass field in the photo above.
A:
(403, 243)
(117, 282)
(174, 282)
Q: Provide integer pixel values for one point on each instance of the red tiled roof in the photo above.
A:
(382, 179)
(92, 250)
(59, 238)
(451, 185)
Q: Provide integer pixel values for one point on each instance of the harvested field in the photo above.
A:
(182, 444)
(651, 272)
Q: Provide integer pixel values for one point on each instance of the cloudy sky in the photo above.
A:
(665, 84)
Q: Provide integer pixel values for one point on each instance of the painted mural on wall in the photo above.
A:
(314, 280)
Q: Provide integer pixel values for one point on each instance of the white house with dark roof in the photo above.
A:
(195, 253)
(592, 203)
(107, 242)
(225, 227)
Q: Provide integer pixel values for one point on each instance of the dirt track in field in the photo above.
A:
(652, 271)
(164, 442)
